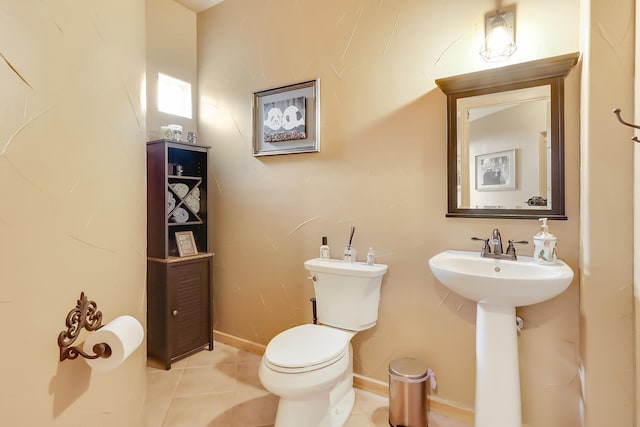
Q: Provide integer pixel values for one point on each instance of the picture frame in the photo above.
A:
(496, 171)
(186, 243)
(286, 119)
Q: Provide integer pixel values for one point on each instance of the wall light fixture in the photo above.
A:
(499, 43)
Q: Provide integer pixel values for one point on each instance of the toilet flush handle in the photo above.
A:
(313, 278)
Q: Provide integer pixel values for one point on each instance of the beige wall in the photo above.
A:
(607, 309)
(73, 204)
(636, 218)
(171, 49)
(382, 169)
(72, 174)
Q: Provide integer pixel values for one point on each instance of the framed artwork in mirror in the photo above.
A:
(496, 171)
(494, 114)
(286, 119)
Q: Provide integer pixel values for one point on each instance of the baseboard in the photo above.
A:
(240, 343)
(371, 385)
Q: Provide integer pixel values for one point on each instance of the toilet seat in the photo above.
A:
(306, 348)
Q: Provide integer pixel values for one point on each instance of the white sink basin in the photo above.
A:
(498, 281)
(498, 286)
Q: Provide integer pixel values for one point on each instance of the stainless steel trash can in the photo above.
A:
(407, 393)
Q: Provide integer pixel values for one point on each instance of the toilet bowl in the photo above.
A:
(310, 367)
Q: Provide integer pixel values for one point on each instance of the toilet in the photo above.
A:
(310, 367)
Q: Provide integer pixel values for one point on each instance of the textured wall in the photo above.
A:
(382, 168)
(607, 304)
(73, 204)
(171, 49)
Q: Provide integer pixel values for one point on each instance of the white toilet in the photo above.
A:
(310, 367)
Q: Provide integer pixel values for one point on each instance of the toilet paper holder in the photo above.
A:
(85, 315)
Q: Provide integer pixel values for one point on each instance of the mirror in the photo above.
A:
(505, 132)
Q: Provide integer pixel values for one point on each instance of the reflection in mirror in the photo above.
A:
(504, 151)
(505, 135)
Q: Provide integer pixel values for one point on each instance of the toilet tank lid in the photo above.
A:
(337, 266)
(306, 345)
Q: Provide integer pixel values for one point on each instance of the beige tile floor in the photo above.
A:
(221, 389)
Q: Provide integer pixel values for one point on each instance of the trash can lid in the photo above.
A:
(408, 367)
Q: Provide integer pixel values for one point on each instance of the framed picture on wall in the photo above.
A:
(286, 119)
(186, 243)
(496, 171)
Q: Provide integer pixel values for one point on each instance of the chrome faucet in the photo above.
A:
(496, 241)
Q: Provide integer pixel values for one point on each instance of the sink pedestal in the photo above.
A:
(499, 286)
(497, 369)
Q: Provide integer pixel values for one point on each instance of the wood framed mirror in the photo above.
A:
(505, 140)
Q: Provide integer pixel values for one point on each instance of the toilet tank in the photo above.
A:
(347, 293)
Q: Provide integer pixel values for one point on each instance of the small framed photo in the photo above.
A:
(286, 119)
(186, 243)
(496, 171)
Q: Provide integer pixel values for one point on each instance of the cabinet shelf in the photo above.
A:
(179, 224)
(184, 177)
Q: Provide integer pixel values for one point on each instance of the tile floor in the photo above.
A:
(221, 389)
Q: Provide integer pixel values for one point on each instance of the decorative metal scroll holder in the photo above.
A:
(617, 113)
(84, 316)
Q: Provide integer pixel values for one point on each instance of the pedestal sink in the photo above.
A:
(498, 286)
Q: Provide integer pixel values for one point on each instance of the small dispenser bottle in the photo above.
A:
(371, 257)
(544, 243)
(324, 249)
(350, 251)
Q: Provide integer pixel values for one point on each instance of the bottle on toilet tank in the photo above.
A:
(371, 257)
(545, 243)
(324, 249)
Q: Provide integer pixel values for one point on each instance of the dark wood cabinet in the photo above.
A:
(179, 289)
(179, 315)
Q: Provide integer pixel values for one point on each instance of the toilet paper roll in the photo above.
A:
(124, 335)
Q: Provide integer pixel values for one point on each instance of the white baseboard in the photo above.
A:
(371, 385)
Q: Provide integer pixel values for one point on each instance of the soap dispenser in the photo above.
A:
(371, 257)
(544, 243)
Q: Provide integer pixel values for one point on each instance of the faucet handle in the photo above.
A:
(511, 250)
(485, 247)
